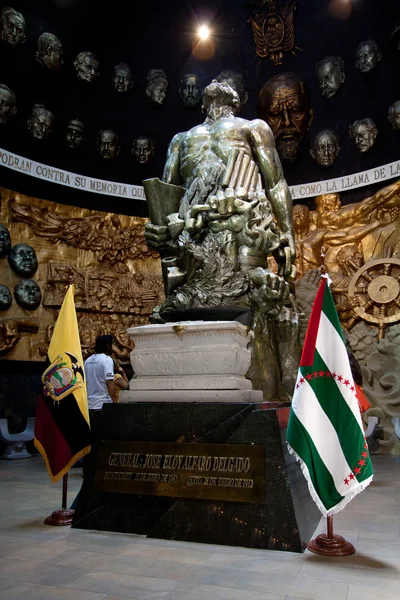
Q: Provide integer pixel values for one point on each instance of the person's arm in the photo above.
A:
(109, 378)
(276, 188)
(111, 390)
(122, 382)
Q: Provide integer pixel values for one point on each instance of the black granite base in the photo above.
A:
(285, 521)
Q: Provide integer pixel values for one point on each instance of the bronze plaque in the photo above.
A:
(230, 472)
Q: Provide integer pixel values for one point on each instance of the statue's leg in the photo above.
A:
(264, 370)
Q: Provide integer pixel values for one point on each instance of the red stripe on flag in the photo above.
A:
(307, 356)
(58, 453)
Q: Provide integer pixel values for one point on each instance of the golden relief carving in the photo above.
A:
(118, 279)
(362, 245)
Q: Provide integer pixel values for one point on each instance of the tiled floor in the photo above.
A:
(39, 562)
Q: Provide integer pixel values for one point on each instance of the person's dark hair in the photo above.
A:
(103, 343)
(355, 368)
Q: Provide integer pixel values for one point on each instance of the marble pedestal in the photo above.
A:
(191, 361)
(285, 520)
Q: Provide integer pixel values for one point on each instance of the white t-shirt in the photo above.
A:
(99, 368)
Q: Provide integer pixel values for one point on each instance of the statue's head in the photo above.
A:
(325, 148)
(327, 202)
(5, 297)
(236, 81)
(87, 67)
(12, 27)
(363, 133)
(122, 78)
(330, 75)
(23, 260)
(75, 134)
(190, 90)
(108, 144)
(27, 294)
(50, 52)
(394, 115)
(5, 241)
(301, 218)
(368, 55)
(143, 149)
(7, 104)
(222, 95)
(349, 254)
(157, 86)
(284, 103)
(40, 122)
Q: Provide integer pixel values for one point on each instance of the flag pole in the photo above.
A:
(329, 543)
(63, 516)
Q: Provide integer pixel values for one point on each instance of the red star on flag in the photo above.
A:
(364, 454)
(315, 374)
(340, 378)
(297, 386)
(321, 373)
(351, 476)
(347, 382)
(353, 389)
(361, 462)
(334, 375)
(309, 376)
(366, 445)
(302, 380)
(346, 481)
(357, 471)
(328, 373)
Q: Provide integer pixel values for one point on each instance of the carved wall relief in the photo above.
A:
(118, 279)
(362, 246)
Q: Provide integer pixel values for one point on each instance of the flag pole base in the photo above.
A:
(334, 546)
(61, 517)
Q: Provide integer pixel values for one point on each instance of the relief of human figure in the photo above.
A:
(333, 225)
(122, 78)
(87, 67)
(284, 103)
(226, 222)
(157, 86)
(368, 54)
(12, 27)
(363, 133)
(190, 90)
(7, 104)
(50, 51)
(40, 122)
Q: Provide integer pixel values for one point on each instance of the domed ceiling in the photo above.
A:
(158, 36)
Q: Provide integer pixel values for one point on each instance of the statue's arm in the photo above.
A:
(276, 188)
(355, 234)
(387, 197)
(171, 170)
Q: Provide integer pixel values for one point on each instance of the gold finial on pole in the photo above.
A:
(70, 274)
(323, 254)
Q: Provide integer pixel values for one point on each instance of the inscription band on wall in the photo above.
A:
(231, 472)
(125, 190)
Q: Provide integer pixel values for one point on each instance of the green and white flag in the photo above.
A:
(325, 430)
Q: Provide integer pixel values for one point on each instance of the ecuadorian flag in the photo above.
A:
(62, 430)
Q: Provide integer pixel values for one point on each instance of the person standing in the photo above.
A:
(99, 373)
